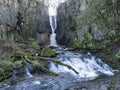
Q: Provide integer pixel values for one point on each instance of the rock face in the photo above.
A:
(29, 15)
(78, 18)
(66, 28)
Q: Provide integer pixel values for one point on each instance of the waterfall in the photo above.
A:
(53, 4)
(88, 67)
(53, 24)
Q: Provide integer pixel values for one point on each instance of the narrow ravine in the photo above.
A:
(88, 66)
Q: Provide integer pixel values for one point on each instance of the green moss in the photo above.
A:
(6, 65)
(88, 44)
(118, 55)
(30, 31)
(76, 44)
(48, 52)
(4, 76)
(35, 45)
(41, 66)
(6, 68)
(18, 63)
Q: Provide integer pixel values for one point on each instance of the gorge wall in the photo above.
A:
(80, 19)
(29, 17)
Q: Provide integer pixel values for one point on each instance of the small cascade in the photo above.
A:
(89, 67)
(23, 72)
(28, 74)
(27, 70)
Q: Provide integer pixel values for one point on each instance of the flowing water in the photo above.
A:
(53, 24)
(53, 5)
(88, 66)
(53, 21)
(28, 74)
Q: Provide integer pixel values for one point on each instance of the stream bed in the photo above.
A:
(88, 66)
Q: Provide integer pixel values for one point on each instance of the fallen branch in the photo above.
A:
(27, 59)
(59, 62)
(38, 65)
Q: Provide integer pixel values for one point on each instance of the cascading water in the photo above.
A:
(53, 4)
(28, 74)
(53, 25)
(88, 68)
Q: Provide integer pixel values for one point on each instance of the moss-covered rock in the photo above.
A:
(18, 63)
(35, 45)
(6, 68)
(48, 52)
(88, 44)
(6, 65)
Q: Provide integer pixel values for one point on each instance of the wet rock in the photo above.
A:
(48, 52)
(66, 28)
(6, 68)
(35, 45)
(103, 87)
(63, 82)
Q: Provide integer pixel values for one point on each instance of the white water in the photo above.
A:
(53, 5)
(27, 70)
(28, 74)
(88, 67)
(53, 24)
